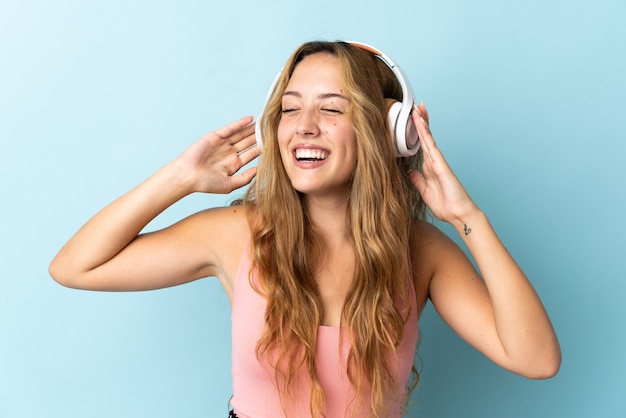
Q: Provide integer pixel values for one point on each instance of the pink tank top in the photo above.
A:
(254, 389)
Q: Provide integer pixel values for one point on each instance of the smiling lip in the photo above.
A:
(309, 156)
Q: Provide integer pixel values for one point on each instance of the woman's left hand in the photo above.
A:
(437, 184)
(501, 315)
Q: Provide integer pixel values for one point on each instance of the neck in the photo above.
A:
(329, 217)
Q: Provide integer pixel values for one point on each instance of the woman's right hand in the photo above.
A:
(212, 163)
(108, 253)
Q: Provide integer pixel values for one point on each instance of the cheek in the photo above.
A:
(350, 136)
(333, 127)
(281, 134)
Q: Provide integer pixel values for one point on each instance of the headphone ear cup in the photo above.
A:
(393, 112)
(412, 140)
(403, 130)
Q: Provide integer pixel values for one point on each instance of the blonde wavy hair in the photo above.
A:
(286, 248)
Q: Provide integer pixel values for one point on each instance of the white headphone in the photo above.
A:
(403, 131)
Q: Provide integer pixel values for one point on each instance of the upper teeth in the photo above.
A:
(311, 154)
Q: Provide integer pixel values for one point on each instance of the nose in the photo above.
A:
(307, 123)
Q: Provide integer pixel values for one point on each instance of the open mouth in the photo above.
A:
(310, 154)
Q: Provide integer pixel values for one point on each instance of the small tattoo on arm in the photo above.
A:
(467, 230)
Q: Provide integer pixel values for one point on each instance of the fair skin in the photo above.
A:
(498, 312)
(316, 122)
(315, 134)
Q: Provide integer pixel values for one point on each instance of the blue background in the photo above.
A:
(527, 103)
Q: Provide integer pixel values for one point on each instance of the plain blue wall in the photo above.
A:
(527, 103)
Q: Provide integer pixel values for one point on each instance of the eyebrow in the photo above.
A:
(321, 96)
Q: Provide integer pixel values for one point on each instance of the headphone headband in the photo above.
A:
(403, 130)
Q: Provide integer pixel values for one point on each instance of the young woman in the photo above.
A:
(327, 260)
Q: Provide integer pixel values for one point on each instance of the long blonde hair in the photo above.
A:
(286, 248)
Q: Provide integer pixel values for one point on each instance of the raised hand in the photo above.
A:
(212, 163)
(437, 184)
(108, 252)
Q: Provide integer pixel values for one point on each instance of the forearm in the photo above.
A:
(117, 225)
(522, 324)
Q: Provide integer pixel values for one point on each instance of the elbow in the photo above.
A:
(547, 371)
(55, 272)
(544, 367)
(60, 274)
(551, 360)
(551, 367)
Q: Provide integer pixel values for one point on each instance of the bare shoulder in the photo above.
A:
(431, 249)
(225, 227)
(219, 219)
(223, 233)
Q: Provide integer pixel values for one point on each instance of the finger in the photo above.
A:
(420, 111)
(240, 135)
(423, 131)
(243, 139)
(245, 143)
(424, 112)
(234, 127)
(246, 131)
(418, 180)
(249, 154)
(239, 180)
